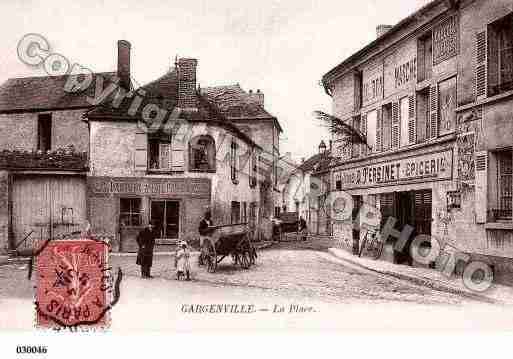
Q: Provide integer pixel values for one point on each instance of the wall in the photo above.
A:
(18, 131)
(4, 211)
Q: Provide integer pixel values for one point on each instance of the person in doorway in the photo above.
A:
(302, 228)
(205, 232)
(146, 241)
(182, 263)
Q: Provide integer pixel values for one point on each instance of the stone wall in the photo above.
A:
(4, 211)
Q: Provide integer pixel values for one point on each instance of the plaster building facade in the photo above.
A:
(164, 152)
(433, 97)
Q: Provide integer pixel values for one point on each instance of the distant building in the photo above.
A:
(434, 97)
(164, 152)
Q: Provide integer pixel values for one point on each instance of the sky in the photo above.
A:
(280, 47)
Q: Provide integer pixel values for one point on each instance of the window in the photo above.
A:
(500, 56)
(356, 146)
(202, 154)
(253, 174)
(504, 170)
(44, 132)
(372, 120)
(425, 57)
(338, 185)
(386, 130)
(235, 215)
(244, 212)
(165, 153)
(358, 90)
(403, 116)
(234, 162)
(277, 211)
(423, 128)
(130, 212)
(166, 216)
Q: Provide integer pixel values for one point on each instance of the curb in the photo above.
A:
(425, 282)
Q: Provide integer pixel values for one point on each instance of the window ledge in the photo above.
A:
(485, 100)
(202, 171)
(506, 225)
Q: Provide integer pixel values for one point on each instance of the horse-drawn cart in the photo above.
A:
(229, 240)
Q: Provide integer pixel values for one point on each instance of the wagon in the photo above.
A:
(229, 240)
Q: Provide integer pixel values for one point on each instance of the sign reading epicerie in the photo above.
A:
(433, 166)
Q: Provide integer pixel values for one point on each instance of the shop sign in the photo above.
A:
(149, 186)
(405, 73)
(428, 167)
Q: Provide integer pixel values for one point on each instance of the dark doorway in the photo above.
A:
(357, 204)
(166, 217)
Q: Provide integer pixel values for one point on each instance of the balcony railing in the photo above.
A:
(59, 159)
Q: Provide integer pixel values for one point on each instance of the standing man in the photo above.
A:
(146, 242)
(302, 228)
(204, 232)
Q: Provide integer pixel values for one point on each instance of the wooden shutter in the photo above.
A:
(433, 111)
(363, 125)
(411, 120)
(395, 125)
(164, 156)
(177, 154)
(141, 151)
(481, 186)
(379, 131)
(492, 63)
(421, 60)
(481, 64)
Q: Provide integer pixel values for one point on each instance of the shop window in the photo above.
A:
(235, 213)
(166, 217)
(202, 154)
(504, 162)
(44, 132)
(425, 57)
(500, 56)
(423, 128)
(165, 153)
(130, 212)
(234, 162)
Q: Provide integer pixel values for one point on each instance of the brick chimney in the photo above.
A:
(187, 84)
(382, 29)
(256, 97)
(124, 64)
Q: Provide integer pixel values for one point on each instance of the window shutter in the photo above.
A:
(481, 64)
(411, 120)
(177, 154)
(492, 64)
(379, 135)
(164, 156)
(395, 125)
(433, 111)
(363, 125)
(141, 151)
(421, 61)
(481, 186)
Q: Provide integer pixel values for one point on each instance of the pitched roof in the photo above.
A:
(43, 93)
(317, 162)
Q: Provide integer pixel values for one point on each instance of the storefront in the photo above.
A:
(409, 187)
(121, 207)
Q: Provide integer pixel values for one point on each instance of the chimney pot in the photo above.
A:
(124, 64)
(257, 97)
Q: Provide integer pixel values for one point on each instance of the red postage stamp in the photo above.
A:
(72, 284)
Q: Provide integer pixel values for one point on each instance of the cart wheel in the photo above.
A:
(211, 259)
(252, 255)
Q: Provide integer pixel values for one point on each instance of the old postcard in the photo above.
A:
(289, 166)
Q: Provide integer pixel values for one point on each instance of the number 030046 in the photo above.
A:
(31, 349)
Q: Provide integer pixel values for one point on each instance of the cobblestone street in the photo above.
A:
(338, 294)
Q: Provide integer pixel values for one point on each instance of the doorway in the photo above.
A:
(166, 217)
(357, 204)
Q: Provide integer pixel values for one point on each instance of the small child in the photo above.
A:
(182, 261)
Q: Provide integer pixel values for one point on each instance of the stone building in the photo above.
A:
(118, 157)
(434, 97)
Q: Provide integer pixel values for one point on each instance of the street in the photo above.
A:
(292, 285)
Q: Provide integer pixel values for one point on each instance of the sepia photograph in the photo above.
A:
(248, 167)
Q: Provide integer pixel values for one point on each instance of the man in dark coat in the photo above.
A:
(205, 231)
(302, 228)
(146, 242)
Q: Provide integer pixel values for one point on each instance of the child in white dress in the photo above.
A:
(182, 263)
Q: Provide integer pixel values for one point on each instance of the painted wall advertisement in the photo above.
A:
(429, 167)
